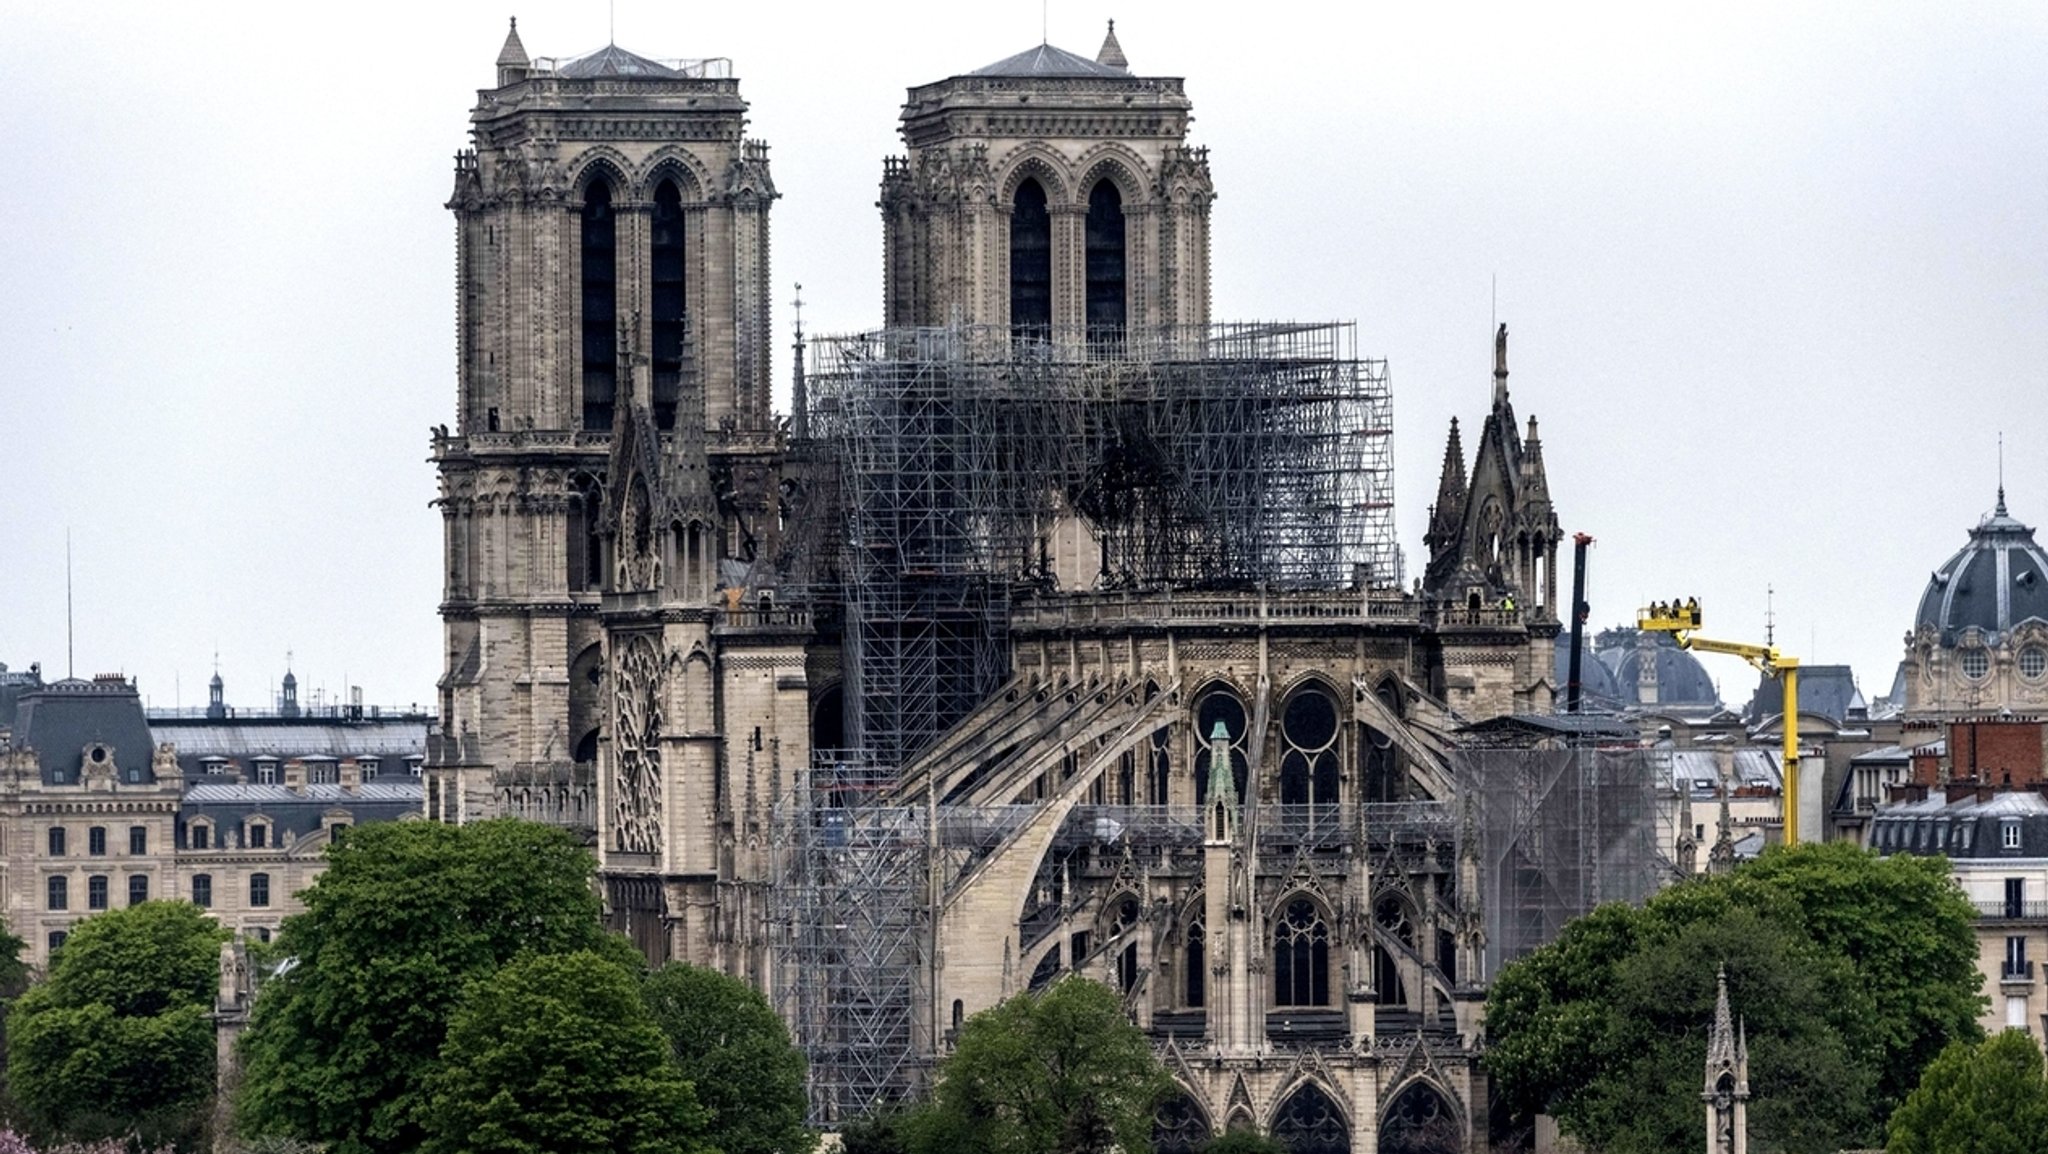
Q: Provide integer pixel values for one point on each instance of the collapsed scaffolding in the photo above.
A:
(1225, 456)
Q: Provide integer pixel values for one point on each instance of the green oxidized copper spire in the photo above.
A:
(1222, 777)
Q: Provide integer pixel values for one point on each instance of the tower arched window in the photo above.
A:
(666, 259)
(1308, 761)
(1301, 956)
(600, 306)
(1219, 705)
(1196, 991)
(1030, 259)
(1103, 251)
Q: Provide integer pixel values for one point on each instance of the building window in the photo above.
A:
(202, 891)
(1104, 257)
(323, 773)
(667, 298)
(2015, 897)
(259, 889)
(138, 889)
(60, 893)
(1030, 259)
(262, 933)
(138, 839)
(96, 892)
(57, 940)
(368, 766)
(2010, 835)
(413, 765)
(1308, 767)
(96, 841)
(1301, 956)
(1976, 663)
(1197, 990)
(2015, 956)
(202, 836)
(259, 836)
(335, 830)
(56, 841)
(600, 306)
(2033, 661)
(266, 773)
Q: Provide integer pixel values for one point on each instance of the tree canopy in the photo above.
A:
(1988, 1098)
(342, 1041)
(117, 1040)
(1850, 970)
(1059, 1072)
(726, 1039)
(558, 1054)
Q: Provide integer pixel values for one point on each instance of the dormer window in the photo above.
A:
(266, 771)
(2009, 833)
(369, 767)
(259, 835)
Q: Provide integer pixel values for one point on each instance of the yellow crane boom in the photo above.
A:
(1680, 620)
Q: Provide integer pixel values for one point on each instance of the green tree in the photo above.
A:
(343, 1039)
(117, 1039)
(1060, 1072)
(1909, 931)
(1245, 1142)
(1605, 1028)
(1987, 1098)
(728, 1042)
(558, 1054)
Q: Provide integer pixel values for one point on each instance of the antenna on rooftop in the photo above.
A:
(1044, 38)
(611, 22)
(1770, 616)
(69, 670)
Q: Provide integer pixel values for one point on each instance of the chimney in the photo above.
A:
(295, 775)
(351, 775)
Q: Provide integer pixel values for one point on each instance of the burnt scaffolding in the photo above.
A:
(1248, 456)
(1561, 831)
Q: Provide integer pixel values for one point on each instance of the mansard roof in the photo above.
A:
(1046, 60)
(614, 61)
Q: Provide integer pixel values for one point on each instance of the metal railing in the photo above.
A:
(2011, 911)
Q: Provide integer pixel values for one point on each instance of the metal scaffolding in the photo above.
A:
(850, 919)
(1561, 831)
(1233, 456)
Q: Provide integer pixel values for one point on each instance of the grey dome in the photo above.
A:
(1597, 687)
(1680, 678)
(1997, 581)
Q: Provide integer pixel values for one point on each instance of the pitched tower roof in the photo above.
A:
(1112, 54)
(513, 54)
(1046, 60)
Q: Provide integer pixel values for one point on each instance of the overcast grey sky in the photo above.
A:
(1776, 277)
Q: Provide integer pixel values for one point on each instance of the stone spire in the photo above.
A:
(1112, 54)
(1726, 1090)
(1449, 511)
(1721, 858)
(1222, 787)
(512, 59)
(1535, 484)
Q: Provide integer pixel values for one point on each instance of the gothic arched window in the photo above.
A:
(1180, 1127)
(666, 261)
(1301, 956)
(1309, 1122)
(1030, 258)
(1197, 988)
(1160, 765)
(1419, 1121)
(1104, 253)
(1219, 705)
(1308, 761)
(600, 306)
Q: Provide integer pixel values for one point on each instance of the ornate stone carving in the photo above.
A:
(637, 674)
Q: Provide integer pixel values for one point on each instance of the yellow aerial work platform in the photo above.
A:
(1680, 620)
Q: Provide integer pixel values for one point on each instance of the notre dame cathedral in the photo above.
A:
(1058, 629)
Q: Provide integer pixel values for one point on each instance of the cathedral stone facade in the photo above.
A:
(1231, 802)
